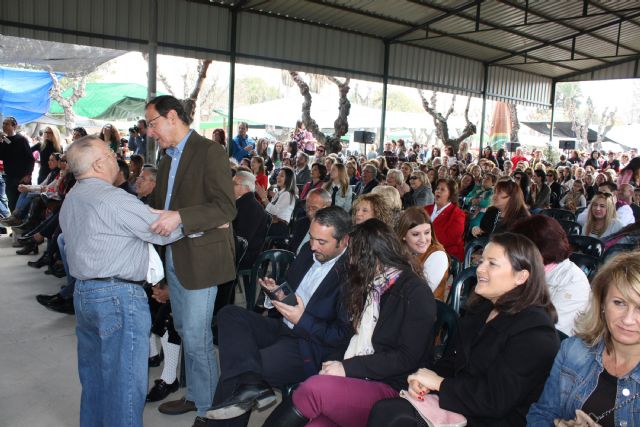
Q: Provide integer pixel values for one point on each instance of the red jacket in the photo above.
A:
(449, 229)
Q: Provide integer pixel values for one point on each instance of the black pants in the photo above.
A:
(254, 348)
(394, 413)
(11, 191)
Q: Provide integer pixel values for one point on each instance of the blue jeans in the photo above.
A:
(192, 316)
(112, 325)
(4, 203)
(67, 291)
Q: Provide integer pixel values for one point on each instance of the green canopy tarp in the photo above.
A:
(108, 101)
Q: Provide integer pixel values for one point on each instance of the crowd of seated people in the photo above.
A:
(410, 212)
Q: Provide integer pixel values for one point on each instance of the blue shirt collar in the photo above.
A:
(176, 151)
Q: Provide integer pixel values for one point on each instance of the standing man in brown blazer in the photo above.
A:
(194, 181)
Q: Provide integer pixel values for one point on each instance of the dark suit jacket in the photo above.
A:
(367, 188)
(402, 338)
(300, 229)
(250, 223)
(449, 229)
(203, 194)
(324, 328)
(493, 372)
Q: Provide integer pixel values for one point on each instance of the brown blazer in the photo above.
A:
(203, 194)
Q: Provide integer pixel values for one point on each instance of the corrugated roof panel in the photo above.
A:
(626, 70)
(270, 39)
(501, 13)
(431, 70)
(403, 10)
(454, 24)
(512, 85)
(594, 46)
(503, 39)
(557, 8)
(629, 35)
(551, 53)
(460, 47)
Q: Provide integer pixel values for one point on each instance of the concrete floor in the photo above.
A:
(39, 383)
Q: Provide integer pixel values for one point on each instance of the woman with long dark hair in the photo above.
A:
(392, 312)
(417, 234)
(502, 353)
(507, 207)
(284, 200)
(318, 176)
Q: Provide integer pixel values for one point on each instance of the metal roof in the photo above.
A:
(511, 50)
(549, 38)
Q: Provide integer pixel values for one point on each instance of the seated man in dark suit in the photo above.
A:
(317, 198)
(251, 220)
(368, 180)
(257, 353)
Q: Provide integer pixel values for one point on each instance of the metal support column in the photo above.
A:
(385, 82)
(553, 110)
(485, 83)
(151, 153)
(232, 78)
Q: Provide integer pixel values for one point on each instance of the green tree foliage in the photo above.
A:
(254, 90)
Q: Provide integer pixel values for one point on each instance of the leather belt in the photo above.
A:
(118, 279)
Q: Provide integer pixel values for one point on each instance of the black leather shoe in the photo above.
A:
(177, 407)
(55, 271)
(286, 415)
(155, 360)
(27, 250)
(204, 422)
(243, 400)
(161, 390)
(65, 306)
(41, 262)
(47, 300)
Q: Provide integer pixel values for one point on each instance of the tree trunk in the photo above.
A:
(515, 123)
(68, 103)
(331, 143)
(190, 102)
(440, 121)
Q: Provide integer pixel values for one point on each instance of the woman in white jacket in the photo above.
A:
(568, 285)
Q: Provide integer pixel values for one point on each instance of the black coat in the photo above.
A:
(359, 190)
(493, 372)
(251, 224)
(324, 329)
(17, 157)
(402, 338)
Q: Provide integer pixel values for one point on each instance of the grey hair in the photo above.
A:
(397, 174)
(247, 179)
(322, 193)
(153, 171)
(371, 168)
(82, 153)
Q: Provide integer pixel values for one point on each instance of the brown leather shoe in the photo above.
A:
(177, 407)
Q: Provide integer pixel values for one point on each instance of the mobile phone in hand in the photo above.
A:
(283, 293)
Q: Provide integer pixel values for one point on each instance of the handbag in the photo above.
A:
(430, 411)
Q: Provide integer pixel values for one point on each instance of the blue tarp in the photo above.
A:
(24, 94)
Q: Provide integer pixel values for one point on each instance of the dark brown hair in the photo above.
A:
(523, 254)
(452, 185)
(373, 247)
(547, 234)
(516, 208)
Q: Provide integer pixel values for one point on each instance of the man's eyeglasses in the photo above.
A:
(150, 124)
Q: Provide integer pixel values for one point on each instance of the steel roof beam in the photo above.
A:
(597, 67)
(491, 24)
(581, 31)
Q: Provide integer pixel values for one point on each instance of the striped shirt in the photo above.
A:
(106, 231)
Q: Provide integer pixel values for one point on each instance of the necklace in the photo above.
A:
(597, 418)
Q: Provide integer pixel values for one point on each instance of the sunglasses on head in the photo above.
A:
(412, 178)
(604, 194)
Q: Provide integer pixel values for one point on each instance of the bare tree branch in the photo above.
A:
(308, 121)
(440, 121)
(515, 123)
(68, 103)
(190, 102)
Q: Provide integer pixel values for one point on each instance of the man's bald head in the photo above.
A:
(90, 157)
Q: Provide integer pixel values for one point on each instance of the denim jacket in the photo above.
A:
(573, 378)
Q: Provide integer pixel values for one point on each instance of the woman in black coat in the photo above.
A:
(500, 358)
(392, 311)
